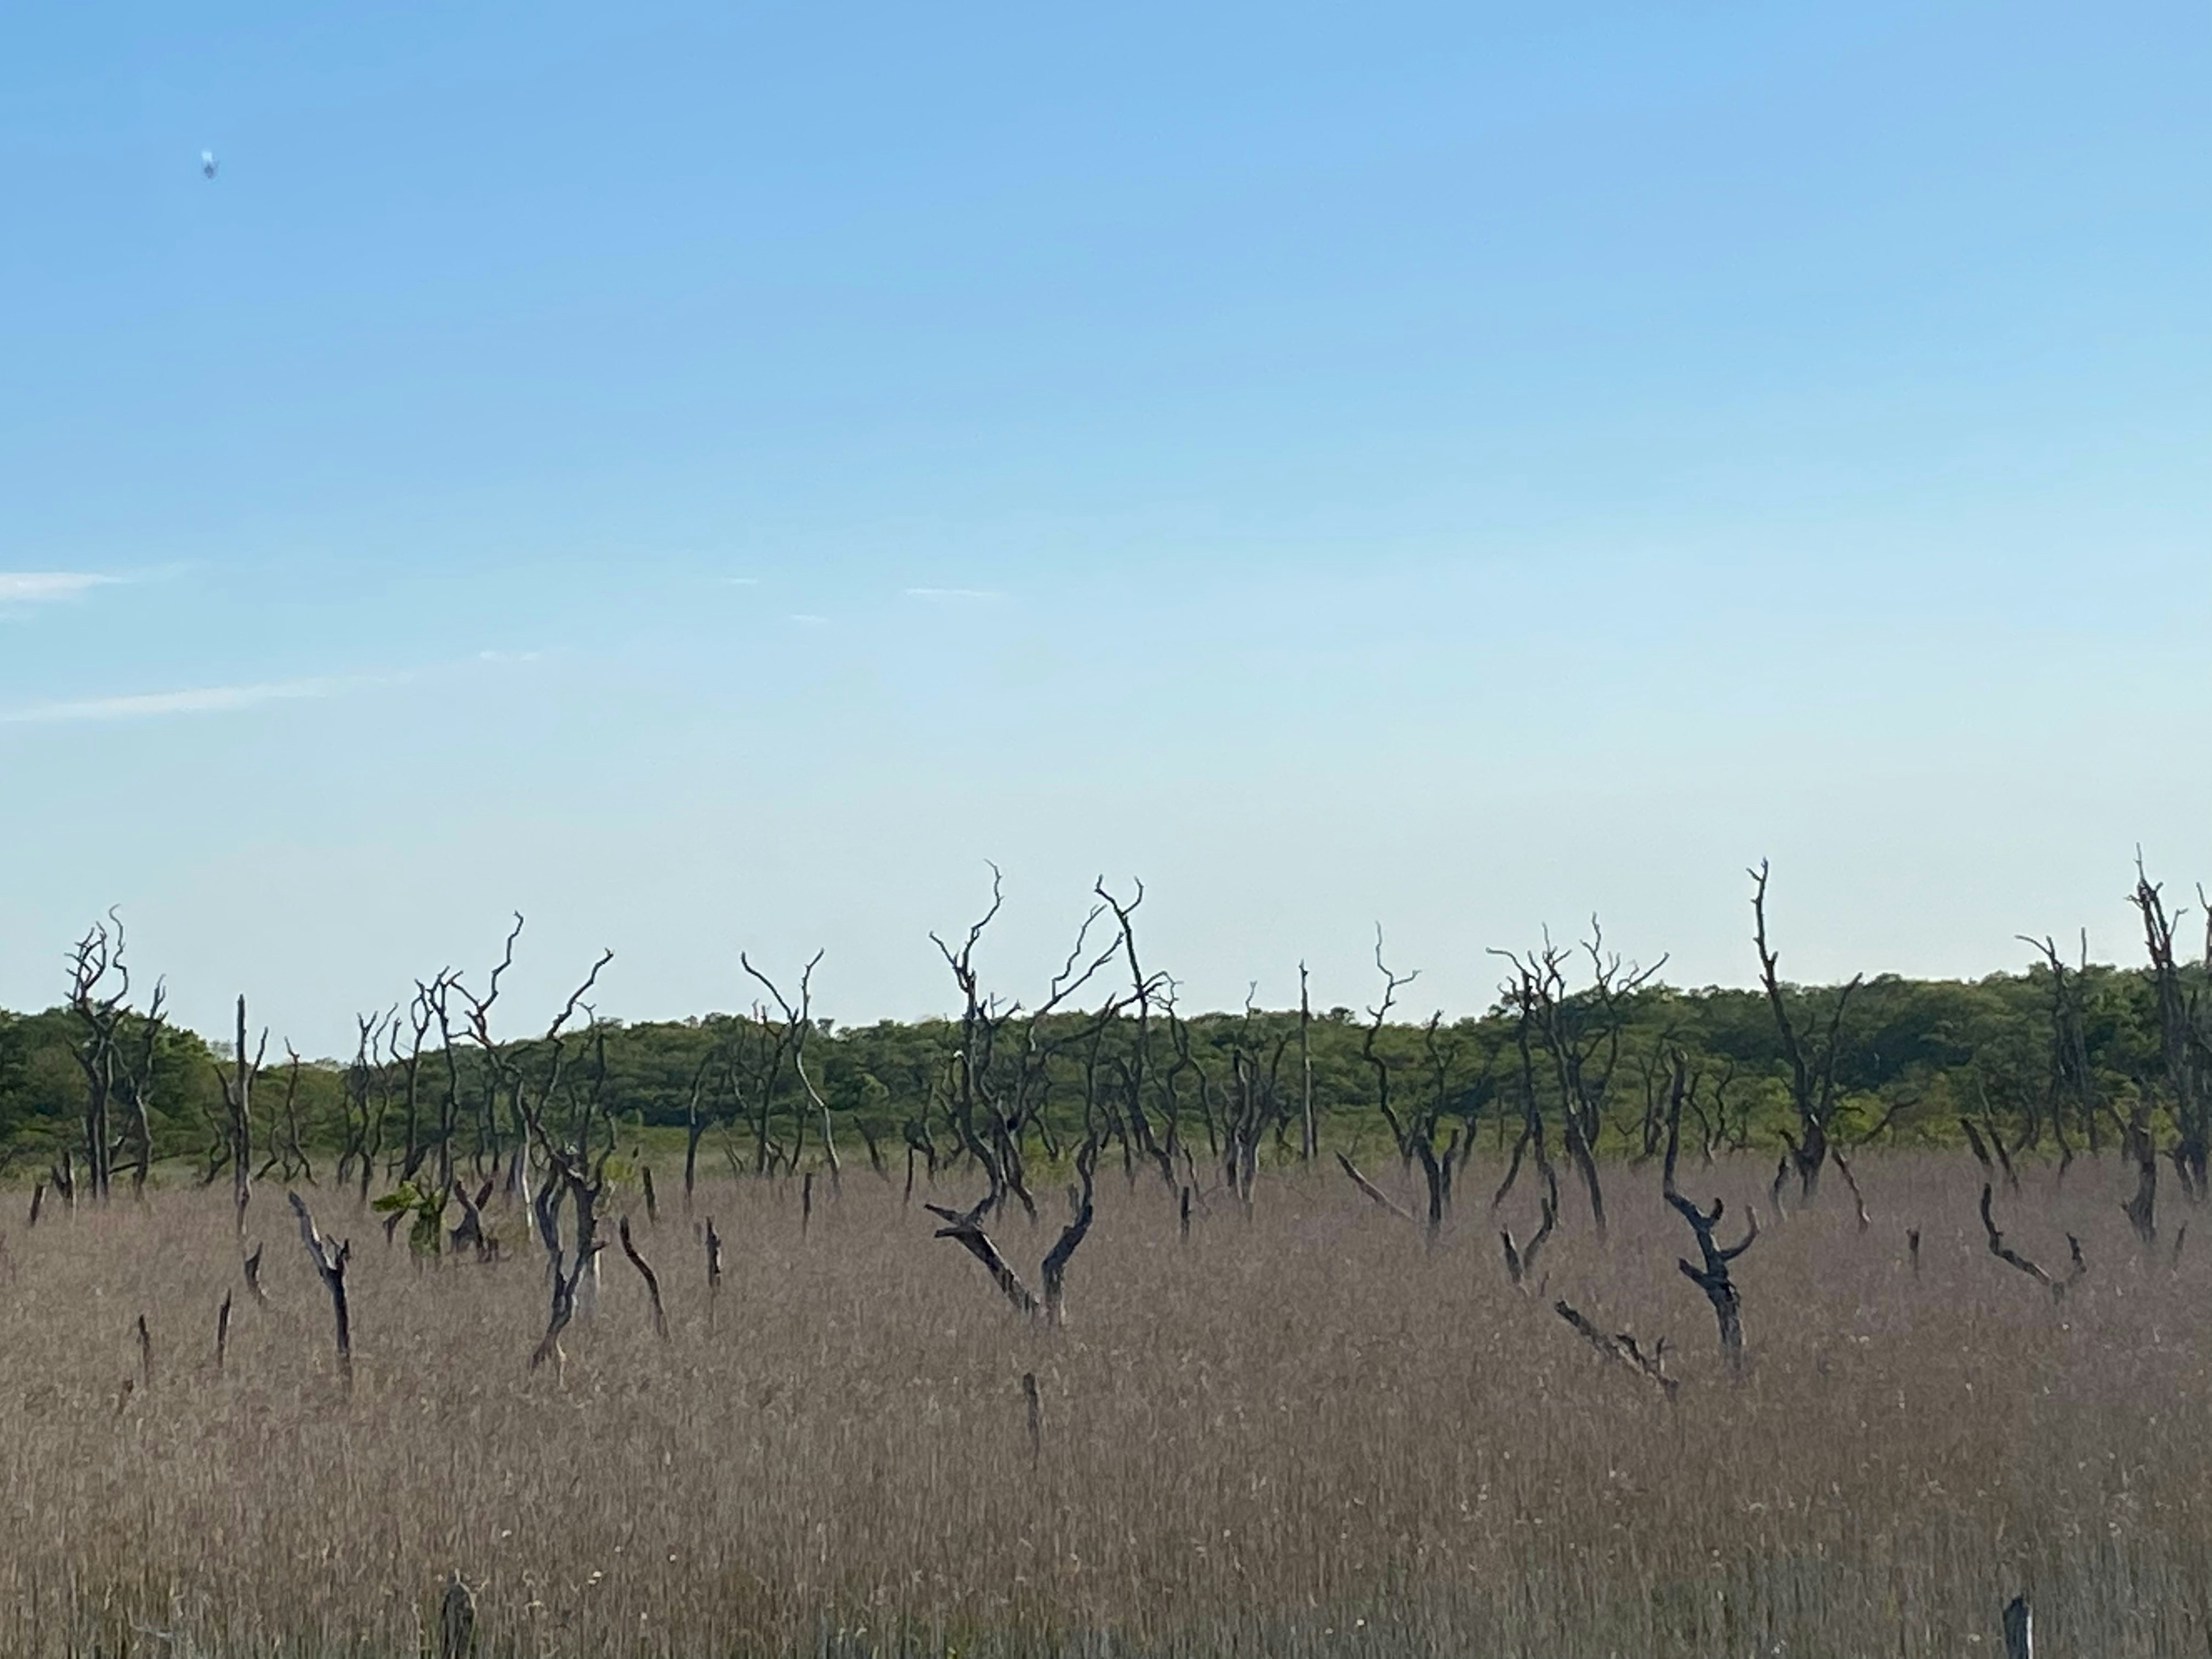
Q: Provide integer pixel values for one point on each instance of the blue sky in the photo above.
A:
(712, 477)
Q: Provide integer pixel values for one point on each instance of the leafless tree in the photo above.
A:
(1145, 989)
(652, 1280)
(2073, 1081)
(99, 1001)
(1622, 1350)
(1812, 1060)
(797, 1022)
(1581, 1032)
(2012, 1257)
(996, 1089)
(1710, 1273)
(237, 1086)
(330, 1266)
(965, 1228)
(2184, 1048)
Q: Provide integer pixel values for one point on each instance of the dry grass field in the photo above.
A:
(1303, 1434)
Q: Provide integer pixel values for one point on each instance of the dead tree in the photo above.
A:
(797, 1024)
(2073, 1081)
(1307, 1137)
(1623, 1350)
(1521, 1260)
(288, 1156)
(1134, 1120)
(1035, 1405)
(1374, 1191)
(237, 1086)
(2137, 1145)
(99, 1002)
(1053, 1273)
(1812, 1062)
(1580, 1033)
(713, 1244)
(135, 1079)
(965, 1228)
(222, 1332)
(694, 1126)
(2185, 1051)
(457, 1620)
(1710, 1273)
(993, 1099)
(1392, 984)
(652, 1280)
(2012, 1257)
(330, 1267)
(574, 1162)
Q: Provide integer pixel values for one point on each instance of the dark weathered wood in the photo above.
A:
(253, 1275)
(1812, 1062)
(457, 1619)
(2019, 1629)
(1035, 1414)
(330, 1266)
(1054, 1274)
(2012, 1257)
(1374, 1191)
(1521, 1260)
(652, 1280)
(1712, 1275)
(1622, 1350)
(965, 1228)
(222, 1332)
(145, 1355)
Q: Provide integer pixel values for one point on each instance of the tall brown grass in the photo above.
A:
(1302, 1434)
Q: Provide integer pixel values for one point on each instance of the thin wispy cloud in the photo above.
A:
(954, 594)
(807, 619)
(509, 656)
(741, 581)
(155, 705)
(46, 586)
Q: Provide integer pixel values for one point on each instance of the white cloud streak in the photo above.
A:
(44, 586)
(942, 594)
(155, 705)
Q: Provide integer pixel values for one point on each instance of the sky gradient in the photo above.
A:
(713, 477)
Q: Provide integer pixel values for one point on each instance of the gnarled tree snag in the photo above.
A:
(1374, 1191)
(965, 1228)
(330, 1266)
(652, 1280)
(237, 1086)
(2184, 1045)
(1712, 1274)
(1623, 1350)
(1053, 1273)
(2012, 1257)
(1521, 1260)
(1581, 1032)
(1812, 1063)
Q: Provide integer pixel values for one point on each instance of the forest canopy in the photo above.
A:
(1581, 1053)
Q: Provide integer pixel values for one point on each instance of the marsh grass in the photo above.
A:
(1299, 1435)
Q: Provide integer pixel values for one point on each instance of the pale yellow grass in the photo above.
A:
(1301, 1435)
